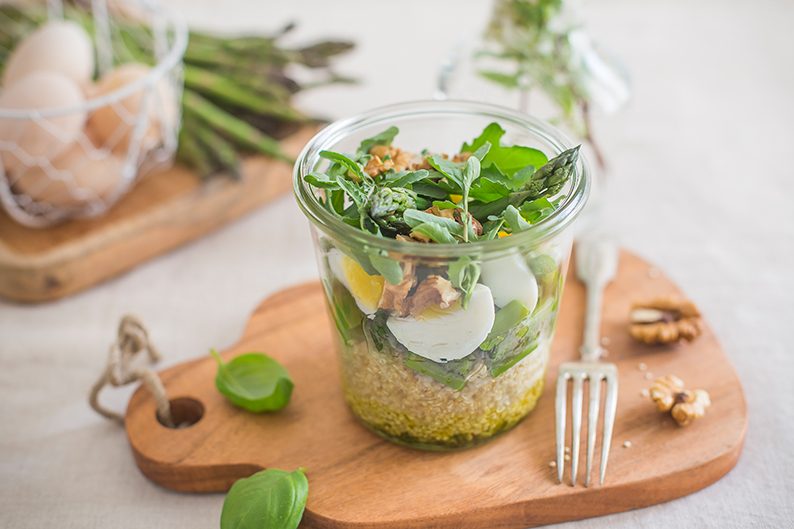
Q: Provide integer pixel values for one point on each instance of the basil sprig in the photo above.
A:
(271, 498)
(254, 381)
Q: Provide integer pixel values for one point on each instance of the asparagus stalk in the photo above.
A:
(226, 90)
(232, 127)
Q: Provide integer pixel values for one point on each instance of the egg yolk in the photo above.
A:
(434, 311)
(365, 288)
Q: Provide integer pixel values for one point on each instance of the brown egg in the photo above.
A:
(40, 137)
(114, 124)
(80, 175)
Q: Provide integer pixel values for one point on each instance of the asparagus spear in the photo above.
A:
(232, 127)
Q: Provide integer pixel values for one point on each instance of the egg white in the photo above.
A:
(444, 335)
(509, 278)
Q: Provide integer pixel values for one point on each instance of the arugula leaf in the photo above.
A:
(321, 180)
(464, 274)
(353, 191)
(384, 138)
(407, 177)
(487, 190)
(437, 232)
(388, 267)
(491, 134)
(482, 151)
(471, 171)
(429, 189)
(347, 163)
(515, 220)
(254, 381)
(446, 168)
(445, 204)
(414, 218)
(270, 498)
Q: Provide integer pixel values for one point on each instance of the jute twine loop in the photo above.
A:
(133, 338)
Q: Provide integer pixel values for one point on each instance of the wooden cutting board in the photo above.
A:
(161, 212)
(358, 480)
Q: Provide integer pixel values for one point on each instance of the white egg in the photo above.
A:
(366, 289)
(510, 278)
(78, 176)
(444, 335)
(60, 46)
(115, 123)
(40, 137)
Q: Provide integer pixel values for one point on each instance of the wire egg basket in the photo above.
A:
(129, 124)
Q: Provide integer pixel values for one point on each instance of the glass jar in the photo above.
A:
(453, 377)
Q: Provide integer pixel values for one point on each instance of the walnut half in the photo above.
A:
(664, 320)
(669, 394)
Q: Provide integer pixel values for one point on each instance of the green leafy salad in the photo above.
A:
(505, 189)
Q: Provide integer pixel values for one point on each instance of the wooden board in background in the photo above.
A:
(161, 212)
(359, 480)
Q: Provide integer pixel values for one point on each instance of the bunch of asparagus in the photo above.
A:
(237, 95)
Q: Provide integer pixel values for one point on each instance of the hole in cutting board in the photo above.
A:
(185, 411)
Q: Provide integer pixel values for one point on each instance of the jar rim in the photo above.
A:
(330, 135)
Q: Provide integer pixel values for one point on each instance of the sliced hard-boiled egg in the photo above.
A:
(509, 278)
(366, 289)
(442, 335)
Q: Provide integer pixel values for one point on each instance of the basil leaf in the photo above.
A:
(384, 138)
(463, 274)
(254, 381)
(515, 220)
(270, 498)
(347, 163)
(436, 232)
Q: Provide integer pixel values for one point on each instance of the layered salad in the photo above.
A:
(443, 352)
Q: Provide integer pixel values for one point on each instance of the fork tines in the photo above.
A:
(578, 372)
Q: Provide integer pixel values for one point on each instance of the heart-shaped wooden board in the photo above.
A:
(359, 480)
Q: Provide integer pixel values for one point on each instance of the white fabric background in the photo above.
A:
(702, 185)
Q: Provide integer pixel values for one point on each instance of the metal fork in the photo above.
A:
(596, 266)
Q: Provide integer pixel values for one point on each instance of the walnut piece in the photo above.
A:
(395, 297)
(399, 160)
(433, 290)
(664, 320)
(669, 395)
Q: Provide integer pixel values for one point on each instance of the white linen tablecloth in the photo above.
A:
(701, 184)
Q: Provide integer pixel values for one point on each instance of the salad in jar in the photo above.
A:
(436, 351)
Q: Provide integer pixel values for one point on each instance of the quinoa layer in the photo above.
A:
(414, 409)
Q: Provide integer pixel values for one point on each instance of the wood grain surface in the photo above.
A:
(163, 211)
(359, 480)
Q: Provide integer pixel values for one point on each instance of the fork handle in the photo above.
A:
(591, 349)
